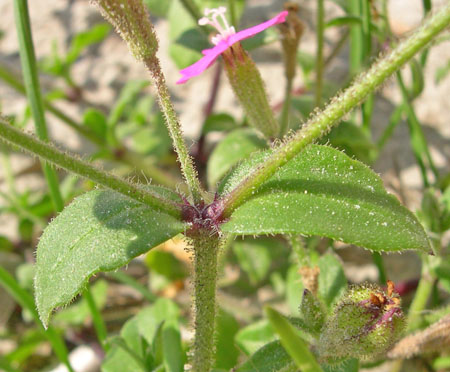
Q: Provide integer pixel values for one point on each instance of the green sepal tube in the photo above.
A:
(364, 324)
(249, 89)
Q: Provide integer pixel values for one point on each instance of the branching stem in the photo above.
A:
(322, 122)
(13, 136)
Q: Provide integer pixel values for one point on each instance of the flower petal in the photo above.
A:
(210, 55)
(252, 31)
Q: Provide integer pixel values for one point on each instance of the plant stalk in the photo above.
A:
(206, 247)
(31, 79)
(322, 122)
(173, 124)
(319, 55)
(13, 136)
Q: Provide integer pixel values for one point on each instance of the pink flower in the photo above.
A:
(226, 38)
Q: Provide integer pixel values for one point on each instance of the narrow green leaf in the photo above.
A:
(237, 145)
(324, 192)
(296, 347)
(86, 38)
(173, 353)
(100, 231)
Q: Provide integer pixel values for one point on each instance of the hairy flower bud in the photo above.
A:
(249, 89)
(364, 324)
(312, 311)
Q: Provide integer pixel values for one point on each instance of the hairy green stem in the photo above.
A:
(31, 79)
(173, 124)
(319, 53)
(132, 21)
(206, 247)
(322, 122)
(13, 136)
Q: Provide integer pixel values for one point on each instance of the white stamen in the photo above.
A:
(221, 25)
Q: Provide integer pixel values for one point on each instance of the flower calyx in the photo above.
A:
(364, 324)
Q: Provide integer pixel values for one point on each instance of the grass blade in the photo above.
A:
(296, 347)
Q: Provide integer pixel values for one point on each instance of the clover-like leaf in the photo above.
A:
(101, 230)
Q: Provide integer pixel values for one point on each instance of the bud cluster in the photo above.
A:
(364, 324)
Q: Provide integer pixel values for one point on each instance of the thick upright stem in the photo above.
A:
(206, 247)
(321, 123)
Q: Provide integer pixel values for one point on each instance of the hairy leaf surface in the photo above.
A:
(324, 192)
(101, 230)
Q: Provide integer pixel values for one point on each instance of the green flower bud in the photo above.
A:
(249, 89)
(364, 324)
(312, 312)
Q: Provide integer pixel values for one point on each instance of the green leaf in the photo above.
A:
(151, 317)
(181, 22)
(158, 324)
(332, 281)
(344, 21)
(255, 336)
(127, 96)
(158, 8)
(122, 358)
(294, 289)
(294, 344)
(85, 39)
(77, 313)
(226, 352)
(254, 257)
(237, 145)
(96, 121)
(218, 123)
(270, 358)
(352, 140)
(324, 192)
(99, 231)
(166, 264)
